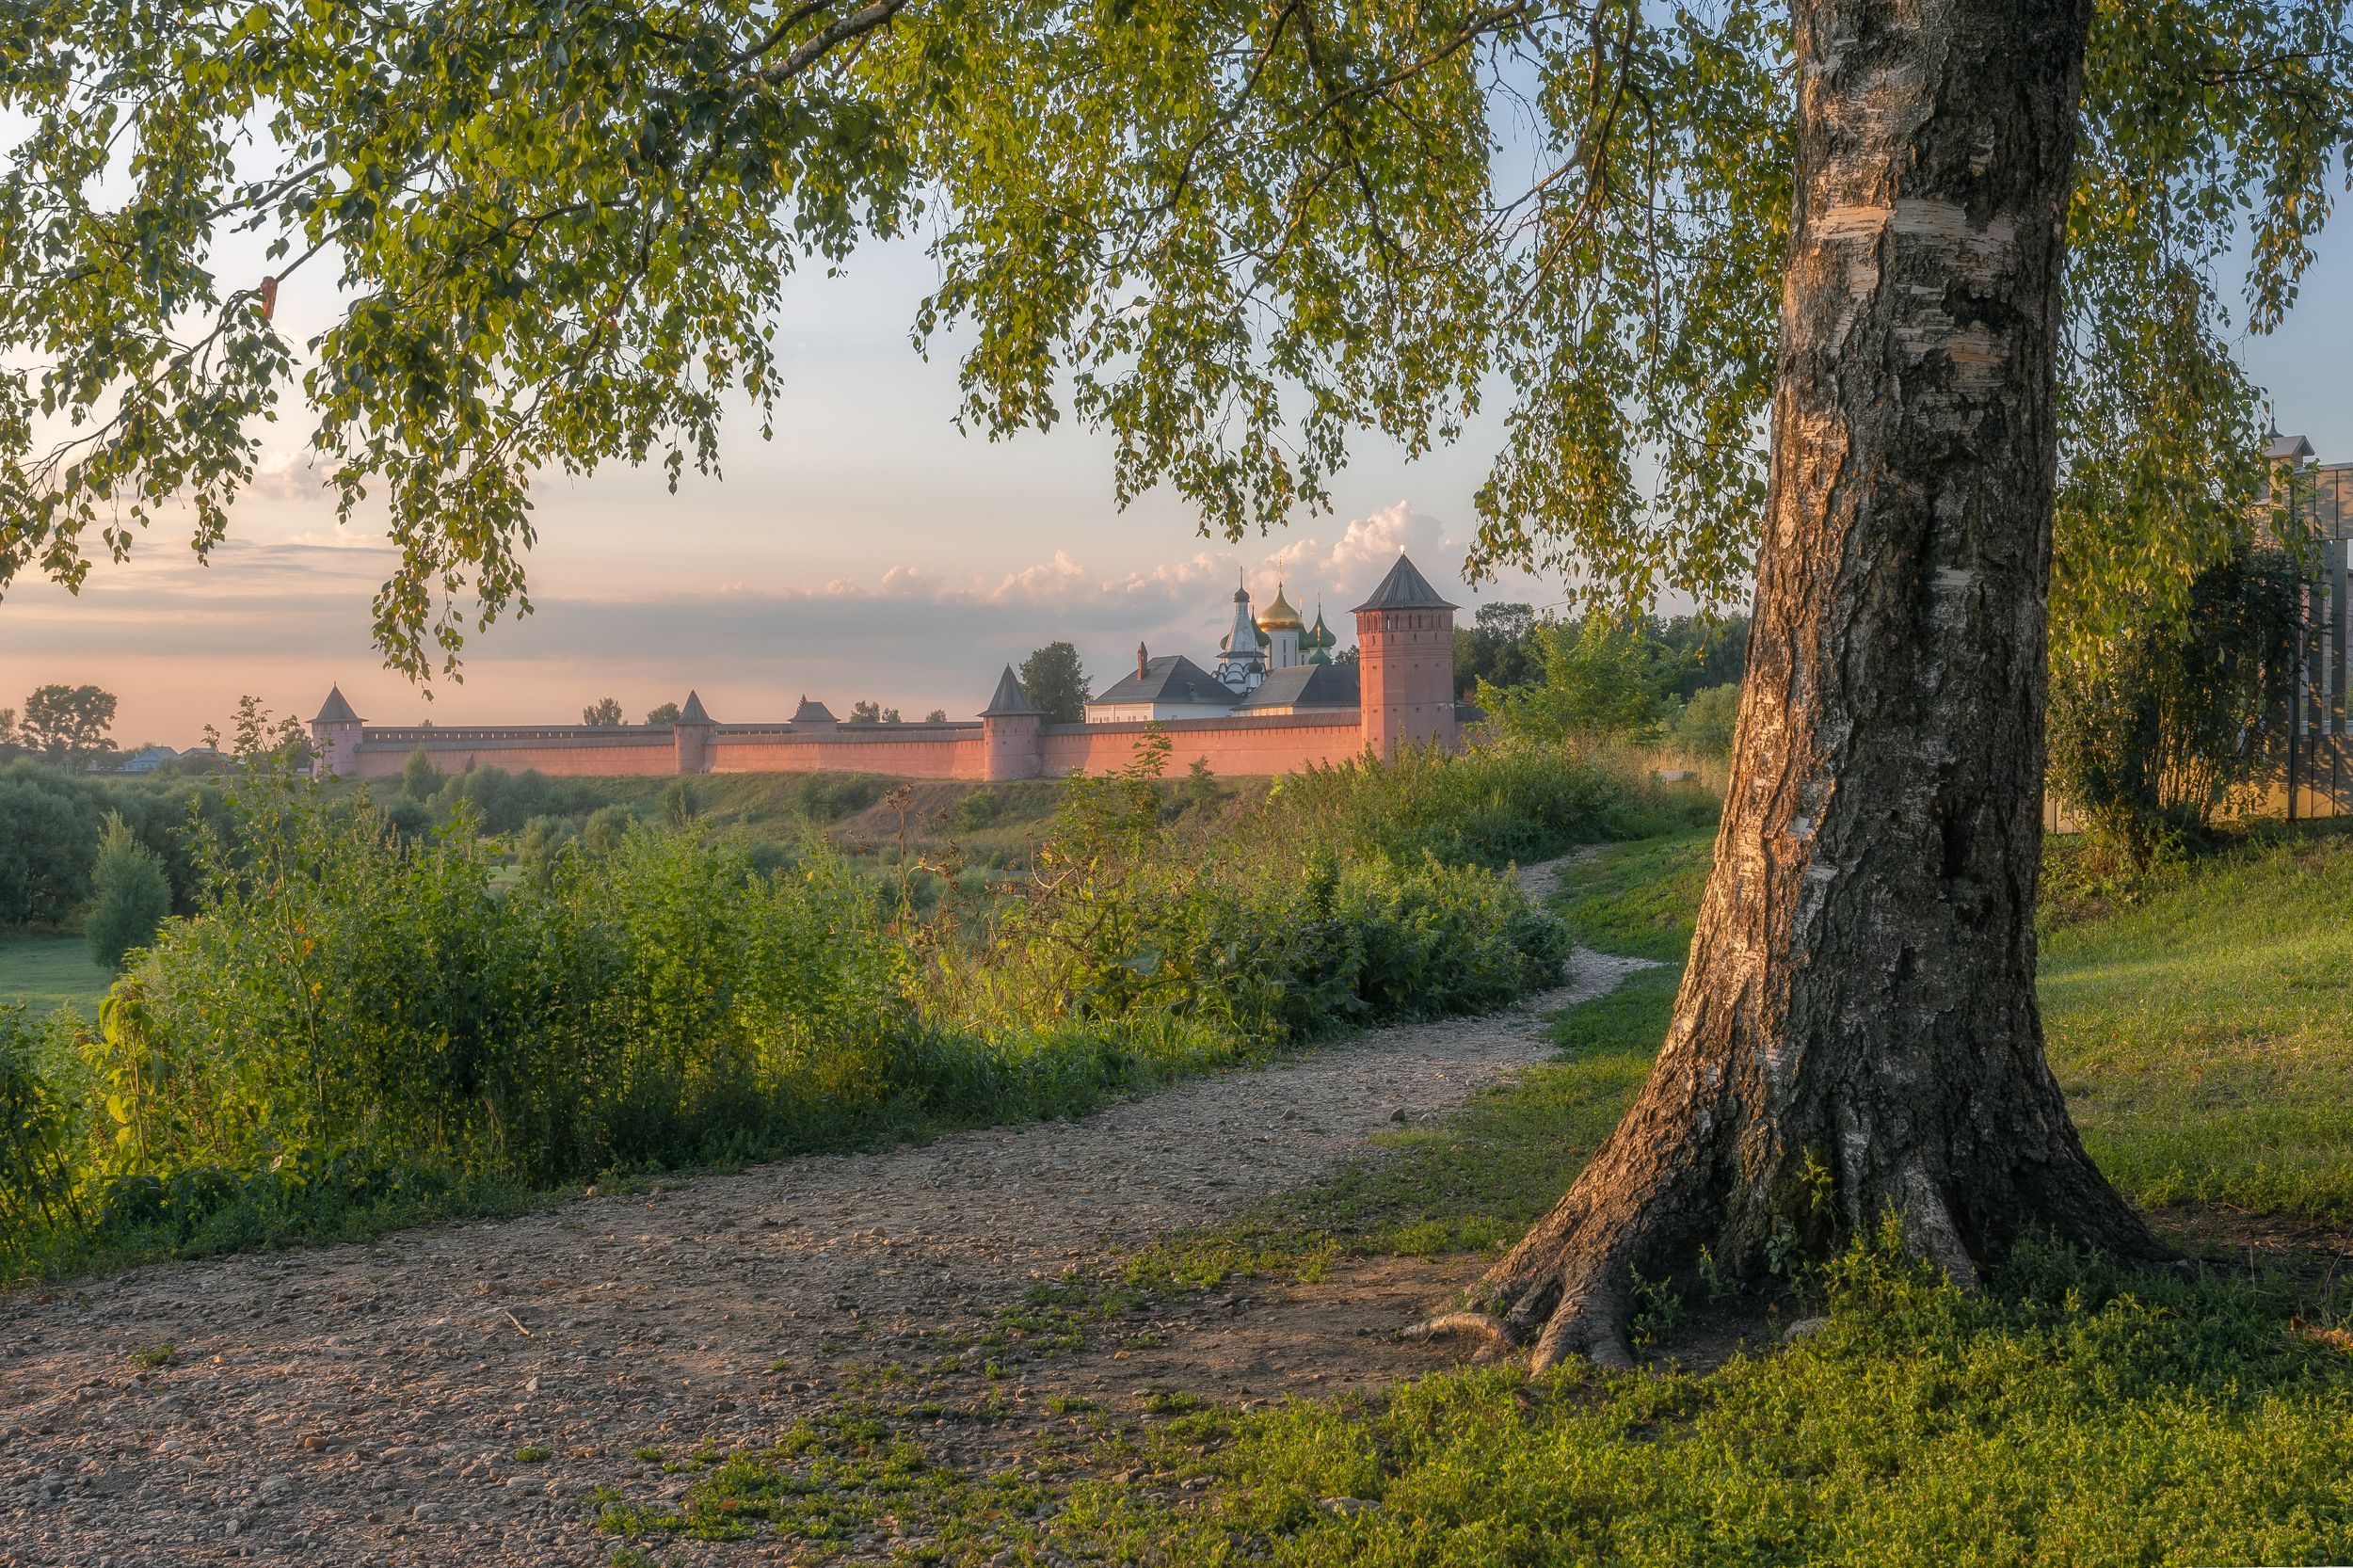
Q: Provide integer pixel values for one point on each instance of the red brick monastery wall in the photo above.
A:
(898, 750)
(1405, 639)
(1231, 746)
(559, 753)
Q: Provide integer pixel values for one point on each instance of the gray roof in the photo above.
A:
(813, 713)
(692, 713)
(2287, 448)
(1010, 698)
(337, 711)
(1170, 677)
(1307, 686)
(1404, 589)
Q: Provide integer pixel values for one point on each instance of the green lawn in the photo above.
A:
(2066, 1416)
(2204, 1036)
(45, 970)
(2203, 1033)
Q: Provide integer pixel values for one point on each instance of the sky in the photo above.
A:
(869, 551)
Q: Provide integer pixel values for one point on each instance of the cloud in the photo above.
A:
(1052, 582)
(283, 618)
(288, 476)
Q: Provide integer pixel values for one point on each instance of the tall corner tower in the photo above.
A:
(690, 733)
(1405, 642)
(335, 736)
(1010, 726)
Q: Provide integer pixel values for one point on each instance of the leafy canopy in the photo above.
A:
(68, 725)
(1237, 235)
(1056, 680)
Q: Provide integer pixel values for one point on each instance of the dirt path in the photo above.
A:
(363, 1405)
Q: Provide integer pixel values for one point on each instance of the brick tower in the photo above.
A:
(1405, 639)
(1009, 727)
(335, 738)
(691, 732)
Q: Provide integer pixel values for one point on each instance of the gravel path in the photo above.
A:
(363, 1405)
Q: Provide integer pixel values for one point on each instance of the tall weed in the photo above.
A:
(358, 1014)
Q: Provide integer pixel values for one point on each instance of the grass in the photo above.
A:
(2066, 1415)
(1638, 899)
(44, 970)
(2204, 1033)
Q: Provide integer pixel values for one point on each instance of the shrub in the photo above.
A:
(979, 809)
(129, 896)
(37, 1134)
(1490, 806)
(2154, 727)
(1198, 791)
(418, 778)
(1602, 681)
(543, 839)
(1703, 729)
(828, 797)
(606, 829)
(362, 1021)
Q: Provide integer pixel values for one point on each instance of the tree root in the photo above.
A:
(1591, 1323)
(1473, 1324)
(1930, 1233)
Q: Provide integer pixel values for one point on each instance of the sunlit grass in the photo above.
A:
(44, 970)
(2204, 1036)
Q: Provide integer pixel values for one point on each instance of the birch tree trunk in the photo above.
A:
(1857, 1029)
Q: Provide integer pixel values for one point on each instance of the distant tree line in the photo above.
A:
(67, 727)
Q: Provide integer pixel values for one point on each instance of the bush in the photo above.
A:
(50, 824)
(979, 809)
(829, 797)
(360, 1022)
(1602, 681)
(1702, 730)
(542, 841)
(606, 829)
(418, 778)
(37, 1134)
(2155, 727)
(129, 896)
(1490, 806)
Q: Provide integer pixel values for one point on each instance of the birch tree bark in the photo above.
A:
(1857, 1028)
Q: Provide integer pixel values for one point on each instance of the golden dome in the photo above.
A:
(1279, 616)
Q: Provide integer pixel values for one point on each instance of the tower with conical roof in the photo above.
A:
(1242, 664)
(1010, 729)
(691, 731)
(335, 737)
(1405, 637)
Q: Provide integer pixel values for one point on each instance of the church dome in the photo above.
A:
(1279, 616)
(1319, 636)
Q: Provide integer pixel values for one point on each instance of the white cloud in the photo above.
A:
(1052, 582)
(288, 476)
